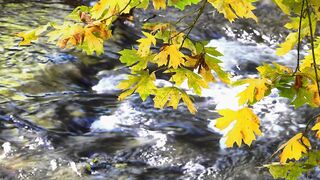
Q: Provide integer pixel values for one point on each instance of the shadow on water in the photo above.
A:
(60, 118)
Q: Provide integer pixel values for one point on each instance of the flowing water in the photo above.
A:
(60, 118)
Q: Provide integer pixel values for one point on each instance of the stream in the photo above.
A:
(60, 117)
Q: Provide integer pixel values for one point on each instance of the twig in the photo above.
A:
(312, 47)
(299, 40)
(179, 32)
(310, 121)
(179, 20)
(149, 18)
(194, 22)
(119, 13)
(186, 15)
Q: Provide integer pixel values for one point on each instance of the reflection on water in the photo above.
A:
(60, 117)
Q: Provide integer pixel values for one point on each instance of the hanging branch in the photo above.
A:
(299, 40)
(312, 47)
(310, 121)
(314, 65)
(194, 22)
(120, 12)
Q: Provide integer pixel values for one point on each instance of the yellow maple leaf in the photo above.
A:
(145, 43)
(288, 45)
(294, 148)
(207, 75)
(170, 55)
(27, 37)
(316, 98)
(108, 8)
(234, 8)
(255, 91)
(32, 35)
(245, 127)
(316, 127)
(158, 4)
(308, 59)
(71, 36)
(156, 27)
(283, 7)
(194, 80)
(171, 96)
(92, 43)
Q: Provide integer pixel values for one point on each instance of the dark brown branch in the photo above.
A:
(312, 47)
(299, 39)
(194, 22)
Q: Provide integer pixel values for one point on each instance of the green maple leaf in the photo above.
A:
(142, 82)
(181, 4)
(194, 80)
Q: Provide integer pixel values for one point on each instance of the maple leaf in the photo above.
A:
(204, 59)
(233, 9)
(255, 90)
(80, 14)
(316, 127)
(170, 54)
(171, 96)
(92, 43)
(194, 80)
(273, 72)
(207, 75)
(294, 148)
(203, 69)
(213, 64)
(142, 82)
(98, 9)
(32, 35)
(181, 4)
(108, 8)
(158, 4)
(245, 127)
(129, 56)
(145, 43)
(67, 35)
(313, 89)
(282, 6)
(308, 59)
(289, 43)
(89, 38)
(71, 36)
(292, 38)
(155, 27)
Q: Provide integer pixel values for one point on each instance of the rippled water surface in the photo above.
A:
(60, 118)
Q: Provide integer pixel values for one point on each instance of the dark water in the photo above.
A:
(60, 118)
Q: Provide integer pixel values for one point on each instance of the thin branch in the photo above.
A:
(194, 22)
(119, 13)
(299, 40)
(310, 121)
(312, 47)
(186, 15)
(149, 18)
(185, 29)
(179, 20)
